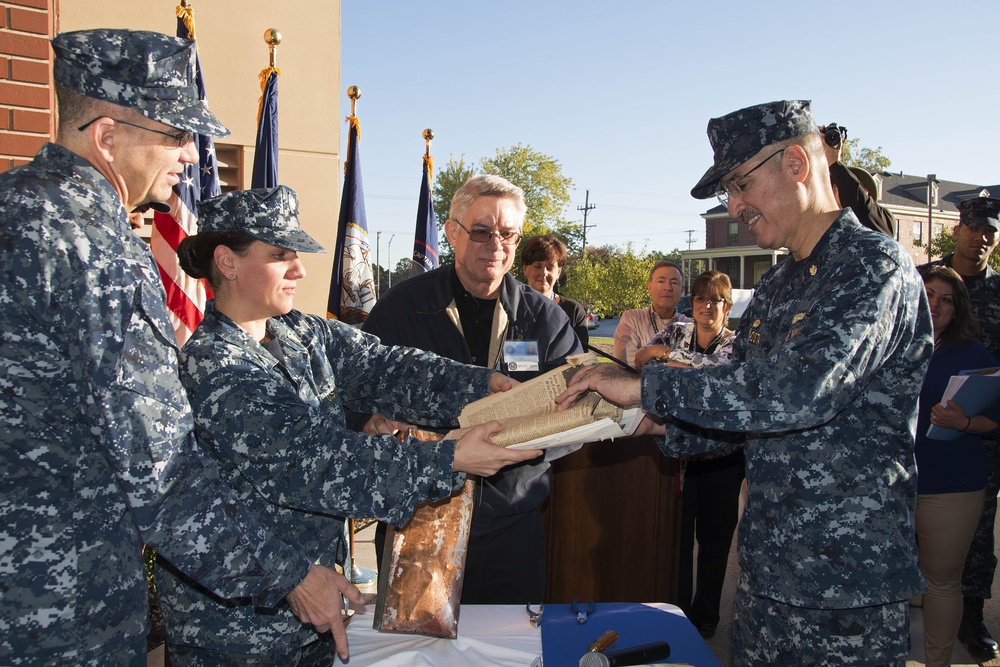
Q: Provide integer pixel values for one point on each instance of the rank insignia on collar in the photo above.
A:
(798, 317)
(813, 270)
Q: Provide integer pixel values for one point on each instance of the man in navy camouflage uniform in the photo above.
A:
(98, 452)
(828, 363)
(268, 386)
(975, 239)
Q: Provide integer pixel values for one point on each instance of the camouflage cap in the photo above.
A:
(979, 211)
(270, 215)
(150, 72)
(738, 136)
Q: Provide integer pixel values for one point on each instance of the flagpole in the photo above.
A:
(428, 135)
(425, 239)
(272, 37)
(265, 158)
(358, 574)
(352, 283)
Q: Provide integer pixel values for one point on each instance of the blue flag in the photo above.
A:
(425, 241)
(352, 286)
(265, 157)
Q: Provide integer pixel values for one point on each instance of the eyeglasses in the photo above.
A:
(735, 188)
(183, 137)
(481, 235)
(704, 300)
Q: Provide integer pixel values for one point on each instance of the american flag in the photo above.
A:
(185, 295)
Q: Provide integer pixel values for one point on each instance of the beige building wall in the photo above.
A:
(233, 52)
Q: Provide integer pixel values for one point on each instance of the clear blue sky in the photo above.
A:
(620, 93)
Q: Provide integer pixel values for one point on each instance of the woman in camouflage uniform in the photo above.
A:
(268, 386)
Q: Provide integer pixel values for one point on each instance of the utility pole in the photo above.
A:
(586, 208)
(390, 259)
(378, 267)
(931, 182)
(690, 237)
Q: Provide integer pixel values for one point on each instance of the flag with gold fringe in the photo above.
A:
(265, 157)
(185, 295)
(425, 240)
(352, 285)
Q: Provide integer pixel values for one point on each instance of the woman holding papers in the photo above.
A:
(268, 386)
(712, 483)
(951, 474)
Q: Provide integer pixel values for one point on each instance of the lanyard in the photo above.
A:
(710, 348)
(652, 320)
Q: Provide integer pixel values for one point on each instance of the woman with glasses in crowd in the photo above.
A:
(711, 483)
(951, 474)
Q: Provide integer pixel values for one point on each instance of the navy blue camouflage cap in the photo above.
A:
(270, 215)
(147, 71)
(979, 211)
(738, 136)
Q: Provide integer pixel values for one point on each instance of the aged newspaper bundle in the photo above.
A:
(531, 419)
(423, 566)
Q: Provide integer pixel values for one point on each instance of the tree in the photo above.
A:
(446, 182)
(871, 160)
(546, 192)
(611, 279)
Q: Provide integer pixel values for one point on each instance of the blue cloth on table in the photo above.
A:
(564, 641)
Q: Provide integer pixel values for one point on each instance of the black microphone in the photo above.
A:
(638, 655)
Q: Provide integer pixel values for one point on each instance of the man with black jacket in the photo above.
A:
(474, 311)
(856, 195)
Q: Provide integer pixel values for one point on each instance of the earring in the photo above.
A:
(232, 276)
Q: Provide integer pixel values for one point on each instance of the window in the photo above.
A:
(230, 161)
(734, 234)
(918, 231)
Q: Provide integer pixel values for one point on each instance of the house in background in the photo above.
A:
(923, 207)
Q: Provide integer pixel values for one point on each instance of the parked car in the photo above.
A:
(593, 319)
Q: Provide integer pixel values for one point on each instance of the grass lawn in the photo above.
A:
(604, 344)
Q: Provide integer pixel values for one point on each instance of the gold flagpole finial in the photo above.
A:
(428, 135)
(184, 3)
(272, 38)
(354, 93)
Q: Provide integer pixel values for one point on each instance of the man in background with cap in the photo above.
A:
(98, 454)
(827, 366)
(975, 239)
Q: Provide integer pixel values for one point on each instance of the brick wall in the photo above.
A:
(26, 97)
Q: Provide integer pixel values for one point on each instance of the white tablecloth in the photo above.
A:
(488, 635)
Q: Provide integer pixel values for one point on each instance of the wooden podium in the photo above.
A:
(613, 524)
